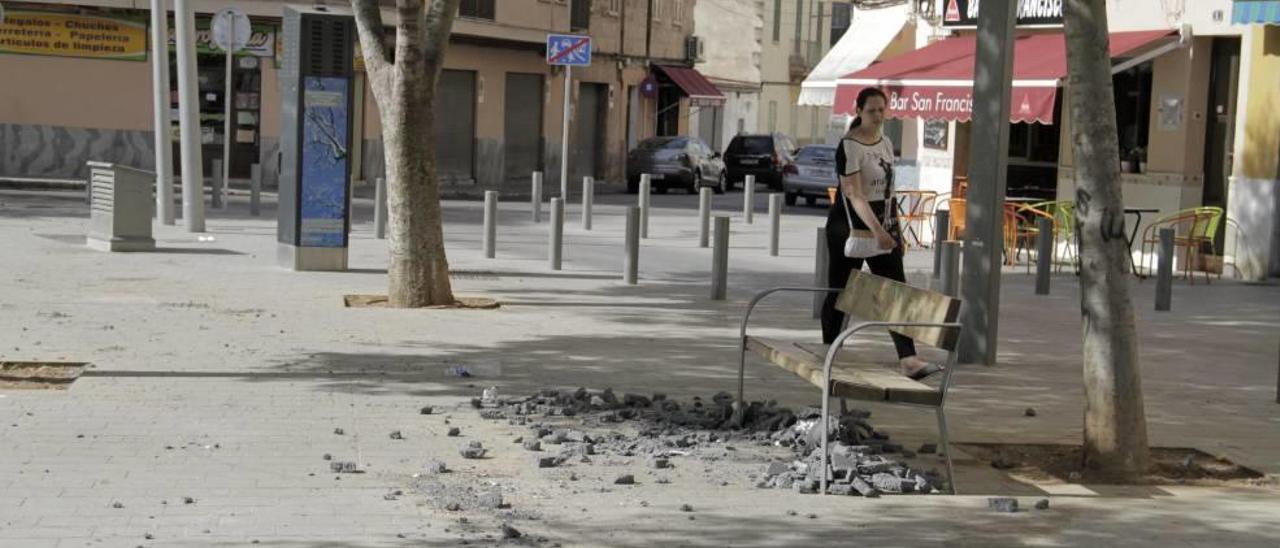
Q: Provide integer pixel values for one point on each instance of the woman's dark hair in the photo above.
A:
(868, 93)
(864, 95)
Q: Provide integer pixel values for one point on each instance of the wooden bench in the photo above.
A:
(925, 316)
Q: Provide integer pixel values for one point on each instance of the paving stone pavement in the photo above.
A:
(218, 376)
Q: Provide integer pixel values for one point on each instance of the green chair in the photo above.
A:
(1195, 229)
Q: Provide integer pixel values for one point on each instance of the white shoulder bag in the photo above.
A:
(861, 243)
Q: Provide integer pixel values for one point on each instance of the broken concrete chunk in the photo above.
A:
(625, 479)
(661, 463)
(476, 403)
(1042, 504)
(510, 533)
(863, 488)
(686, 508)
(491, 500)
(928, 449)
(533, 445)
(546, 462)
(426, 410)
(338, 431)
(1029, 412)
(454, 431)
(436, 467)
(396, 435)
(1003, 504)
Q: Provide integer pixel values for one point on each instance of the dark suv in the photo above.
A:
(764, 155)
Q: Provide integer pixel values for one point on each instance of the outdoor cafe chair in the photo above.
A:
(1195, 229)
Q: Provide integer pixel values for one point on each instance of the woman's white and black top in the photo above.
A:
(875, 164)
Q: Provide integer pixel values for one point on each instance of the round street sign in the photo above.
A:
(231, 29)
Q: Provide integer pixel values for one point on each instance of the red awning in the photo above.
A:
(700, 90)
(936, 81)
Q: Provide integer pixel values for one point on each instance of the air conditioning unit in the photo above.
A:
(693, 46)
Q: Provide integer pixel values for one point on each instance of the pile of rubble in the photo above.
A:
(666, 428)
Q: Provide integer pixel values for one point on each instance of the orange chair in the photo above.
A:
(915, 208)
(956, 230)
(1027, 230)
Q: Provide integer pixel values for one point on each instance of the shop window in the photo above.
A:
(1133, 113)
(477, 9)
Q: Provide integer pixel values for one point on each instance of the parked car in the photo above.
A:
(675, 162)
(763, 155)
(812, 173)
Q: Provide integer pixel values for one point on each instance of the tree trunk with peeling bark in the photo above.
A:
(405, 90)
(1115, 427)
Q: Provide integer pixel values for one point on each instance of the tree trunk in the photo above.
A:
(1115, 428)
(405, 92)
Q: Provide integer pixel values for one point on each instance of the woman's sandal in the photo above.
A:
(925, 371)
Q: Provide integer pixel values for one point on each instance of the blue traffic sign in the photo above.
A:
(568, 49)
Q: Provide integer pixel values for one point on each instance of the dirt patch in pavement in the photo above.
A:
(39, 375)
(1064, 464)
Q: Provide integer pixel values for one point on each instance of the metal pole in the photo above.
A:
(564, 134)
(255, 190)
(988, 168)
(1044, 254)
(1164, 271)
(950, 281)
(535, 197)
(162, 125)
(820, 265)
(943, 226)
(225, 173)
(556, 241)
(188, 116)
(631, 259)
(775, 222)
(588, 196)
(704, 216)
(215, 193)
(748, 198)
(720, 259)
(380, 208)
(490, 223)
(646, 184)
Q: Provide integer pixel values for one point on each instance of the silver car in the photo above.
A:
(812, 173)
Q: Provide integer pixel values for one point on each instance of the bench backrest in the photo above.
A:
(875, 299)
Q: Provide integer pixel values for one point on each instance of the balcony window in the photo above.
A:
(580, 16)
(477, 9)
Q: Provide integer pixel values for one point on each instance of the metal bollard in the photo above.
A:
(555, 243)
(490, 223)
(631, 259)
(720, 260)
(255, 190)
(748, 198)
(216, 191)
(1044, 254)
(646, 185)
(588, 196)
(950, 280)
(821, 260)
(535, 197)
(1164, 272)
(942, 227)
(380, 208)
(775, 222)
(704, 216)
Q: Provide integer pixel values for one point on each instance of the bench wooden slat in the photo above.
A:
(872, 298)
(849, 378)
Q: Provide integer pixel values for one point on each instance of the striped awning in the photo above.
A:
(1245, 12)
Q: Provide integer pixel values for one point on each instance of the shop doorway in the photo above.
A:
(522, 126)
(589, 137)
(1224, 73)
(246, 87)
(456, 126)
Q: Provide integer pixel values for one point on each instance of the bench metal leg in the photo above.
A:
(740, 415)
(946, 448)
(826, 432)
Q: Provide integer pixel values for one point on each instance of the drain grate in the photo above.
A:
(39, 375)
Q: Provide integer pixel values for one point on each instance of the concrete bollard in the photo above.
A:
(646, 185)
(535, 197)
(490, 223)
(720, 260)
(255, 190)
(588, 196)
(215, 193)
(555, 244)
(1044, 254)
(821, 261)
(631, 257)
(1164, 271)
(380, 208)
(749, 199)
(704, 216)
(950, 279)
(942, 225)
(775, 222)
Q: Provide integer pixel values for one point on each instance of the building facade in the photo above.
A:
(728, 51)
(796, 36)
(500, 104)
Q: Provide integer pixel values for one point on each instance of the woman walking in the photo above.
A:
(864, 162)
